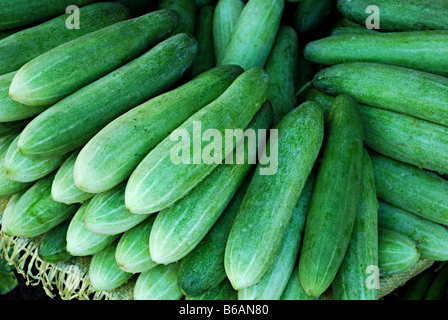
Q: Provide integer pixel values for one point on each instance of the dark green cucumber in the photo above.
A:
(53, 245)
(311, 15)
(15, 127)
(438, 287)
(416, 288)
(187, 14)
(351, 30)
(294, 290)
(223, 291)
(200, 3)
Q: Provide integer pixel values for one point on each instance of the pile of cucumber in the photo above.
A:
(357, 120)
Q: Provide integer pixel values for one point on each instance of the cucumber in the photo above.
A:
(283, 68)
(294, 290)
(70, 123)
(23, 169)
(187, 14)
(104, 273)
(351, 30)
(112, 154)
(270, 200)
(10, 206)
(411, 92)
(396, 252)
(275, 280)
(35, 212)
(27, 44)
(53, 245)
(82, 242)
(9, 128)
(158, 283)
(362, 252)
(399, 15)
(157, 182)
(254, 34)
(416, 288)
(438, 287)
(225, 18)
(179, 228)
(107, 214)
(335, 198)
(409, 188)
(6, 33)
(132, 253)
(223, 291)
(310, 15)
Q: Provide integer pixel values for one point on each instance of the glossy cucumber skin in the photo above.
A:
(335, 198)
(294, 290)
(73, 121)
(56, 74)
(310, 15)
(112, 154)
(14, 127)
(223, 291)
(438, 287)
(157, 182)
(187, 14)
(159, 283)
(27, 44)
(270, 200)
(362, 252)
(53, 245)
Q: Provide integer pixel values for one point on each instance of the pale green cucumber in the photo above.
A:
(53, 245)
(179, 228)
(82, 242)
(254, 34)
(158, 182)
(187, 14)
(70, 123)
(27, 44)
(272, 195)
(311, 15)
(282, 66)
(15, 127)
(104, 273)
(409, 188)
(223, 291)
(107, 214)
(294, 290)
(36, 212)
(132, 253)
(396, 252)
(351, 30)
(111, 155)
(159, 283)
(9, 208)
(56, 74)
(335, 199)
(362, 252)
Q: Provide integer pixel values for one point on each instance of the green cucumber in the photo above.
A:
(132, 253)
(82, 242)
(416, 288)
(294, 290)
(15, 127)
(159, 283)
(254, 34)
(53, 245)
(158, 182)
(107, 214)
(10, 206)
(311, 15)
(335, 198)
(351, 30)
(104, 273)
(396, 252)
(362, 252)
(409, 188)
(187, 14)
(70, 123)
(111, 155)
(27, 44)
(283, 68)
(270, 200)
(179, 228)
(412, 92)
(223, 291)
(36, 212)
(438, 287)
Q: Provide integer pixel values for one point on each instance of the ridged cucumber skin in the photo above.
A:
(132, 253)
(275, 280)
(404, 49)
(351, 30)
(99, 167)
(294, 290)
(416, 287)
(409, 188)
(362, 251)
(23, 169)
(399, 15)
(107, 214)
(335, 198)
(396, 252)
(310, 15)
(53, 245)
(9, 128)
(73, 121)
(104, 273)
(411, 92)
(225, 18)
(187, 14)
(36, 212)
(252, 41)
(203, 268)
(64, 188)
(270, 200)
(282, 66)
(159, 283)
(223, 291)
(430, 238)
(55, 74)
(27, 44)
(157, 182)
(179, 228)
(438, 287)
(82, 242)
